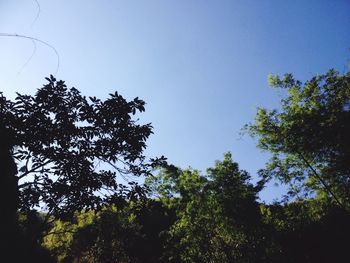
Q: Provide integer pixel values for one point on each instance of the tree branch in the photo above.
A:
(34, 169)
(59, 232)
(325, 185)
(30, 183)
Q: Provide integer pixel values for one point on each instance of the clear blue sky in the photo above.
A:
(201, 66)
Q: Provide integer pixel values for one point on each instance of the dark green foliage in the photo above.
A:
(63, 142)
(29, 247)
(204, 218)
(131, 234)
(218, 216)
(308, 231)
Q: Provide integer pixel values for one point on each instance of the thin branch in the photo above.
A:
(59, 232)
(122, 172)
(30, 183)
(27, 163)
(47, 217)
(325, 185)
(109, 190)
(34, 169)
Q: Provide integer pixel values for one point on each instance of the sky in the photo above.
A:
(201, 66)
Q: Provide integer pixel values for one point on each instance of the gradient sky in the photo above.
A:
(201, 66)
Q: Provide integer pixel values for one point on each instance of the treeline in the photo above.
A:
(61, 206)
(212, 217)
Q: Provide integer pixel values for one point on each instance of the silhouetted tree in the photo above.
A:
(69, 150)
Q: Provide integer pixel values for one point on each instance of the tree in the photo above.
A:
(70, 150)
(218, 216)
(309, 136)
(128, 234)
(307, 231)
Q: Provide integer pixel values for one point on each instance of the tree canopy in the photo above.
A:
(62, 154)
(70, 149)
(309, 136)
(204, 217)
(218, 215)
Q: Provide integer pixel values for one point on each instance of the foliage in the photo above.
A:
(131, 234)
(204, 218)
(309, 136)
(24, 244)
(307, 231)
(64, 143)
(60, 237)
(71, 149)
(218, 216)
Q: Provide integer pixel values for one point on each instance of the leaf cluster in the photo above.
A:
(71, 149)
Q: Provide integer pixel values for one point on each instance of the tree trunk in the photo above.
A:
(9, 197)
